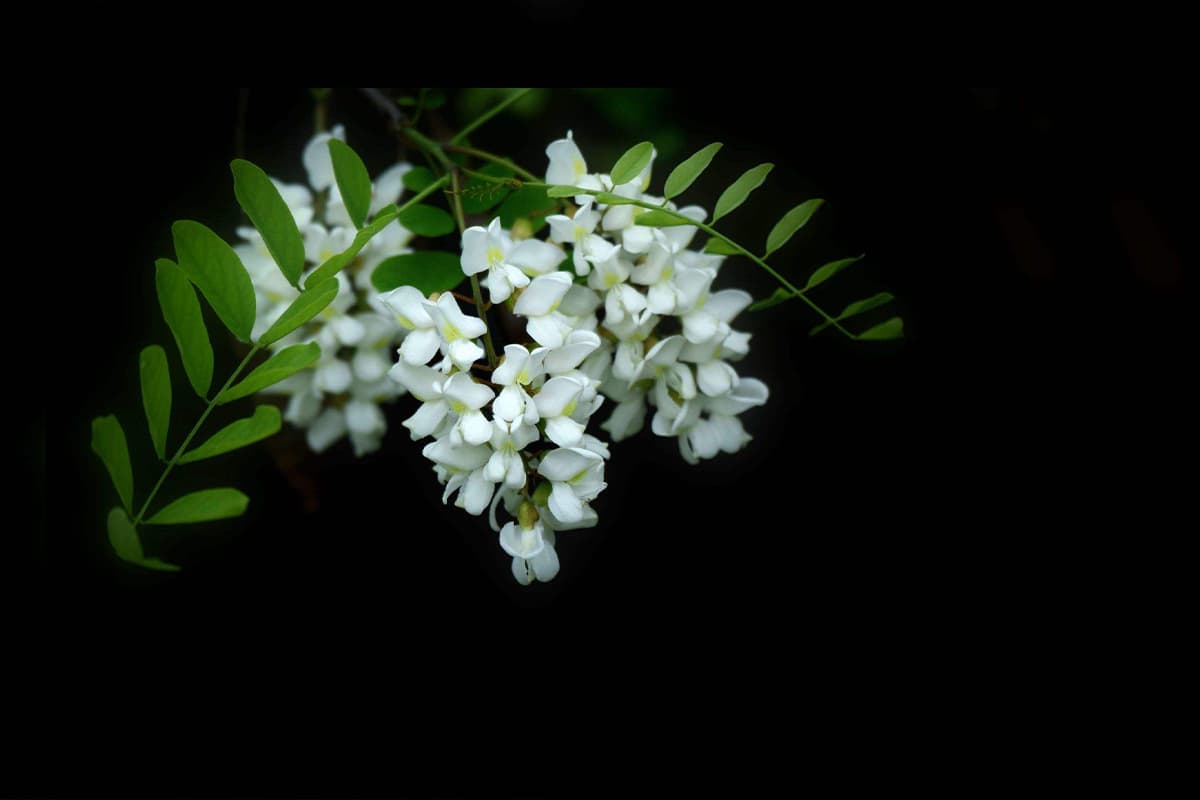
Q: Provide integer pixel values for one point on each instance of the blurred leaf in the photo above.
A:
(631, 163)
(434, 99)
(479, 195)
(211, 264)
(182, 312)
(426, 220)
(335, 264)
(892, 329)
(740, 189)
(128, 547)
(418, 178)
(261, 201)
(156, 395)
(265, 422)
(792, 221)
(311, 302)
(429, 271)
(658, 218)
(528, 202)
(721, 247)
(828, 271)
(778, 296)
(856, 308)
(353, 180)
(202, 506)
(686, 173)
(287, 361)
(108, 442)
(562, 191)
(387, 211)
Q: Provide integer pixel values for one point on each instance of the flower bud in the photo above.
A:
(527, 515)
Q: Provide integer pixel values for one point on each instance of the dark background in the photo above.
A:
(1036, 241)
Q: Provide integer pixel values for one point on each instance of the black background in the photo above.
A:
(981, 473)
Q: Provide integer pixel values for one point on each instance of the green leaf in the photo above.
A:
(428, 270)
(721, 247)
(426, 220)
(659, 218)
(778, 296)
(418, 178)
(108, 442)
(686, 173)
(202, 506)
(265, 422)
(528, 202)
(480, 195)
(261, 201)
(335, 264)
(128, 547)
(740, 189)
(353, 180)
(792, 221)
(631, 163)
(156, 395)
(564, 191)
(311, 302)
(614, 199)
(217, 271)
(389, 210)
(123, 536)
(891, 329)
(828, 271)
(287, 361)
(856, 308)
(182, 312)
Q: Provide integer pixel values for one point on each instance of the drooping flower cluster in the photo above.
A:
(357, 334)
(611, 309)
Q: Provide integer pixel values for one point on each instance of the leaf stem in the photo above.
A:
(191, 434)
(485, 116)
(714, 232)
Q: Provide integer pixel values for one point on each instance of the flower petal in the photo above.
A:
(543, 294)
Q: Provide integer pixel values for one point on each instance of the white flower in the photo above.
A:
(508, 440)
(457, 330)
(317, 160)
(576, 475)
(509, 265)
(408, 308)
(578, 231)
(567, 167)
(706, 316)
(518, 369)
(466, 398)
(539, 303)
(460, 467)
(556, 402)
(426, 384)
(542, 566)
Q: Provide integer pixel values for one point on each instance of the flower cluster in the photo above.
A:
(612, 309)
(357, 334)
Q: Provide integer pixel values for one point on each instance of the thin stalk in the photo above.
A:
(191, 434)
(484, 155)
(460, 218)
(485, 116)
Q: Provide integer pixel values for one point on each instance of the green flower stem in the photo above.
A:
(460, 218)
(714, 232)
(429, 146)
(483, 155)
(485, 116)
(195, 429)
